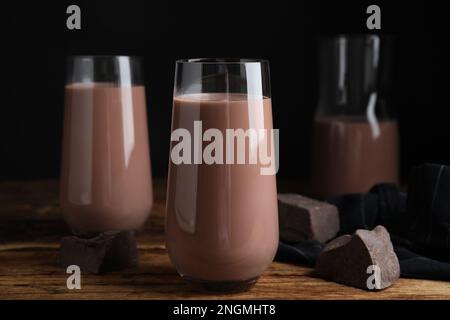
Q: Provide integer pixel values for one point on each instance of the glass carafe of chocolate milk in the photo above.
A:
(355, 136)
(222, 220)
(105, 175)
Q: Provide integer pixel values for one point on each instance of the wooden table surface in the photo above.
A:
(31, 226)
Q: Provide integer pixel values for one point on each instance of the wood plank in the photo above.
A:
(31, 225)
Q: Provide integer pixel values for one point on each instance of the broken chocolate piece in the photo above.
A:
(105, 252)
(302, 218)
(364, 260)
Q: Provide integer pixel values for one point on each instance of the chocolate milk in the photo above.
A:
(222, 220)
(105, 177)
(348, 158)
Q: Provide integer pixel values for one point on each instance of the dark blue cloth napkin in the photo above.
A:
(419, 223)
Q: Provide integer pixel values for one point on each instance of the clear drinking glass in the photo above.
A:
(106, 180)
(355, 136)
(222, 220)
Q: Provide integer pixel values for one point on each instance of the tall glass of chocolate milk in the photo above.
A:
(355, 135)
(222, 220)
(106, 182)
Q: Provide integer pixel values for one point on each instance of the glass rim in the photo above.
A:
(221, 61)
(356, 36)
(103, 56)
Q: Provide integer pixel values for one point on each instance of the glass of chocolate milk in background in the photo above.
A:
(355, 135)
(222, 220)
(106, 182)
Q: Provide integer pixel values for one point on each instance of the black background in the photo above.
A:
(35, 42)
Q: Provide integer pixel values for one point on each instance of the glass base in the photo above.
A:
(221, 286)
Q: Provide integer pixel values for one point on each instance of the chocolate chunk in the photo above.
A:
(350, 260)
(302, 218)
(105, 252)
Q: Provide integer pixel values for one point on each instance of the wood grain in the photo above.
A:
(31, 225)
